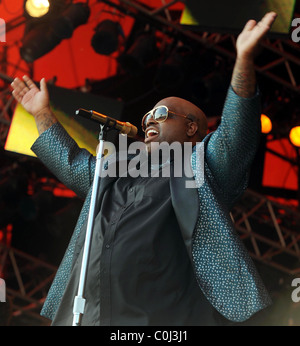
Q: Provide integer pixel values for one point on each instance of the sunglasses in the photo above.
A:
(159, 114)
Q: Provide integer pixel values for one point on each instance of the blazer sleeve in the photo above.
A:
(72, 165)
(230, 150)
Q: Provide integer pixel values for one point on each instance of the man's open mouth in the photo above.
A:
(150, 134)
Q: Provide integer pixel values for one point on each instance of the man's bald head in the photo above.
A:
(182, 106)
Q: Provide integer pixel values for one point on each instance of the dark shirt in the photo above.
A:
(139, 269)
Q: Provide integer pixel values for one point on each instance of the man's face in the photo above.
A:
(174, 129)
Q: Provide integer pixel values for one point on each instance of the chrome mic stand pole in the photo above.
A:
(79, 301)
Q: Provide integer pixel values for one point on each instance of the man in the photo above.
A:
(162, 254)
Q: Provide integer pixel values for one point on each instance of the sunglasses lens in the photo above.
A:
(161, 114)
(145, 120)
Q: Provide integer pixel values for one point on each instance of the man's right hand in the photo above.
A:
(35, 101)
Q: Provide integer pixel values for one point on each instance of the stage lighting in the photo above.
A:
(37, 8)
(75, 15)
(266, 124)
(44, 37)
(38, 42)
(106, 38)
(294, 136)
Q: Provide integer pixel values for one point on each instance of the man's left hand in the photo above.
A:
(249, 39)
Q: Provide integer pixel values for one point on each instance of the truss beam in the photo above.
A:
(271, 231)
(285, 53)
(28, 280)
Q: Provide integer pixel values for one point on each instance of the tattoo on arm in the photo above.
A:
(244, 79)
(44, 121)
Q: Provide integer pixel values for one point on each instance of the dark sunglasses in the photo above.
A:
(159, 114)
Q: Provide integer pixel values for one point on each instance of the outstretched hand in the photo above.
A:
(249, 39)
(33, 99)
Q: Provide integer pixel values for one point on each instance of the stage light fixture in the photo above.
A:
(75, 15)
(266, 124)
(45, 36)
(37, 8)
(38, 42)
(294, 136)
(105, 41)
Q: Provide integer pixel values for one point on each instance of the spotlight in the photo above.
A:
(266, 124)
(37, 8)
(44, 37)
(294, 136)
(38, 42)
(75, 15)
(106, 38)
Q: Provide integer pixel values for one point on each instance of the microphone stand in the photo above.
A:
(79, 301)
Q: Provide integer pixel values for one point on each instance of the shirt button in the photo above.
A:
(131, 189)
(107, 246)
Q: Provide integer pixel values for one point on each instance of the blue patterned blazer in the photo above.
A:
(222, 265)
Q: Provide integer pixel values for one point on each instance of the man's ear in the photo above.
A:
(192, 128)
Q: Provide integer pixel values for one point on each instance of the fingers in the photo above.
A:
(43, 85)
(24, 85)
(252, 34)
(19, 85)
(19, 89)
(30, 84)
(263, 25)
(268, 18)
(17, 96)
(249, 25)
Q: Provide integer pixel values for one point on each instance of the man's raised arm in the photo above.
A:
(243, 79)
(232, 147)
(72, 165)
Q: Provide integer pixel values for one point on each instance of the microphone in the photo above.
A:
(123, 127)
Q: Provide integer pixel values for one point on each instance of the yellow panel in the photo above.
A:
(23, 132)
(283, 8)
(187, 18)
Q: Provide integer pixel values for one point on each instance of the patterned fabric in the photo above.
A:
(74, 163)
(222, 265)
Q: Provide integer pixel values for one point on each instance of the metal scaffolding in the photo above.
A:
(27, 282)
(271, 231)
(6, 98)
(281, 52)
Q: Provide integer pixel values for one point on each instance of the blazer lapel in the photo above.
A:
(186, 206)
